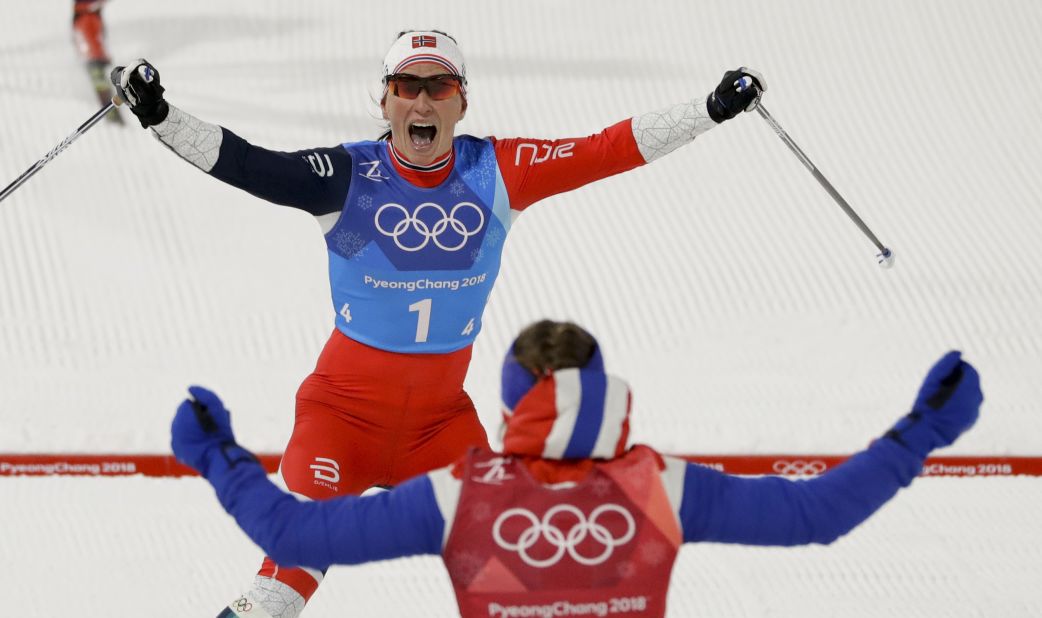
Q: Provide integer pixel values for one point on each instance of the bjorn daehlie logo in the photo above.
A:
(546, 531)
(327, 472)
(412, 231)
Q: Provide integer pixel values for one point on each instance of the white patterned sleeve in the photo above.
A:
(193, 140)
(661, 132)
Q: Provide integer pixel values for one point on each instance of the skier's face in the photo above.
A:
(422, 128)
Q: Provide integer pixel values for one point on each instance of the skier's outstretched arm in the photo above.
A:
(535, 169)
(775, 511)
(315, 180)
(349, 530)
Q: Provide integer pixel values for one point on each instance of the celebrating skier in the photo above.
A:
(414, 224)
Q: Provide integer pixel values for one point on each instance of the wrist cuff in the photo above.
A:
(152, 116)
(919, 437)
(716, 109)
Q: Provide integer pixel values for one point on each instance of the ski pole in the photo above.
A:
(885, 255)
(93, 120)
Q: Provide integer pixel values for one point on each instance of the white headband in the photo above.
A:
(425, 46)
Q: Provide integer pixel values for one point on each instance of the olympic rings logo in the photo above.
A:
(564, 541)
(428, 232)
(799, 467)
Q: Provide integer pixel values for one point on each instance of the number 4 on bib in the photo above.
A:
(469, 328)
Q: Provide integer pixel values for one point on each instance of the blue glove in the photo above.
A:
(947, 405)
(202, 429)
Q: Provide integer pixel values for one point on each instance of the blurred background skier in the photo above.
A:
(88, 36)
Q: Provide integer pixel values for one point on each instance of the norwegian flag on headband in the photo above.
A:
(424, 40)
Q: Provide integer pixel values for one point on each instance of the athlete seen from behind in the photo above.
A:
(567, 520)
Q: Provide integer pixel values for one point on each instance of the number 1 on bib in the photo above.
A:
(423, 323)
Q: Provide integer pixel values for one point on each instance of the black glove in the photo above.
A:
(735, 95)
(947, 405)
(138, 85)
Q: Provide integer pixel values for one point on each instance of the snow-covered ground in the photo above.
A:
(743, 306)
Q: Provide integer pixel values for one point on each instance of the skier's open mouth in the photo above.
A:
(422, 134)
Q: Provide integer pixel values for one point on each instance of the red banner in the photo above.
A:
(39, 464)
(811, 465)
(34, 464)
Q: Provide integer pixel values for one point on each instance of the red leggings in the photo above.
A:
(369, 417)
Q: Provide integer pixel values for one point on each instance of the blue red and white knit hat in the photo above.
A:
(425, 46)
(575, 413)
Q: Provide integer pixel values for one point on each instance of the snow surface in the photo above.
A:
(743, 306)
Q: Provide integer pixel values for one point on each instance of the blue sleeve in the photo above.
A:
(721, 508)
(405, 521)
(315, 180)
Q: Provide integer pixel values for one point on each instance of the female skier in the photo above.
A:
(414, 226)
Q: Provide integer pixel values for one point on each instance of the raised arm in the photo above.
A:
(774, 511)
(349, 530)
(315, 180)
(536, 169)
